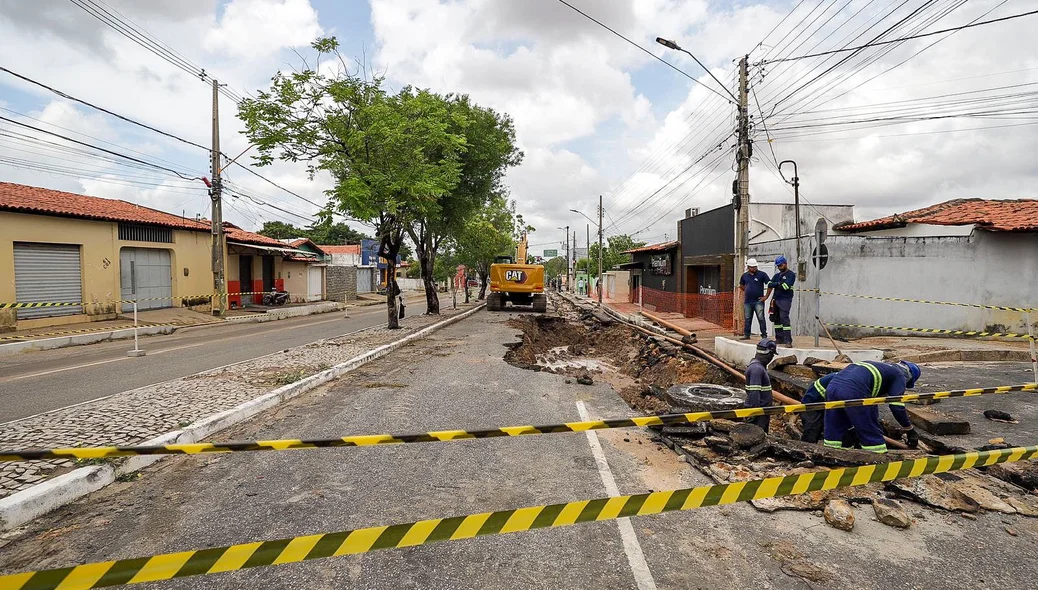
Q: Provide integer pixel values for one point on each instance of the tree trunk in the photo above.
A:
(392, 293)
(432, 299)
(483, 275)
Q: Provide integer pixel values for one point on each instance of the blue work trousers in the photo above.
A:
(864, 419)
(784, 329)
(749, 309)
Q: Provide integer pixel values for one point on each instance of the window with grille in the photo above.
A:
(145, 233)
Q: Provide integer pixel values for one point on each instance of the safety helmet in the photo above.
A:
(751, 262)
(767, 346)
(780, 260)
(912, 372)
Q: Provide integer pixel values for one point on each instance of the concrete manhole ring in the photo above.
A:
(705, 397)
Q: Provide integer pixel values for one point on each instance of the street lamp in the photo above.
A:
(599, 279)
(568, 282)
(672, 45)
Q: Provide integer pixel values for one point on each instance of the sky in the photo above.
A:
(923, 121)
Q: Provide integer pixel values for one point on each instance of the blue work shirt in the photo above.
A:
(754, 283)
(859, 379)
(782, 283)
(758, 385)
(816, 393)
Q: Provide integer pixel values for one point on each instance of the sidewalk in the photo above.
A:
(134, 416)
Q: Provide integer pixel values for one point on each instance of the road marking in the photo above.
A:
(633, 549)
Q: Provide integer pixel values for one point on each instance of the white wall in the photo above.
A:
(346, 259)
(406, 284)
(617, 285)
(984, 267)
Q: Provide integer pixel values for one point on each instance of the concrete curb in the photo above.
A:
(289, 312)
(81, 339)
(24, 506)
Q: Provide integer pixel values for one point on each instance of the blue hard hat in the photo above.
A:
(780, 260)
(913, 373)
(767, 346)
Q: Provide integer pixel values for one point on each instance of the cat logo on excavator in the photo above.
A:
(515, 276)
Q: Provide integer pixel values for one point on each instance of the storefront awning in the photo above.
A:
(276, 249)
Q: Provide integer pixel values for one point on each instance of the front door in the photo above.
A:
(268, 273)
(245, 278)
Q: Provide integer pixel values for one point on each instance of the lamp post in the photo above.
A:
(599, 278)
(566, 229)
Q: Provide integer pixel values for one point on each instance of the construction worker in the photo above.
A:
(758, 383)
(782, 285)
(752, 285)
(865, 380)
(813, 421)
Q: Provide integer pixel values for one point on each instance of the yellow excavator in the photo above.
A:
(513, 281)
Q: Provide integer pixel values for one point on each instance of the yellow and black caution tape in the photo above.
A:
(452, 435)
(167, 566)
(81, 331)
(34, 304)
(877, 298)
(978, 334)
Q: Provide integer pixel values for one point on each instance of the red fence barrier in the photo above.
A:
(716, 309)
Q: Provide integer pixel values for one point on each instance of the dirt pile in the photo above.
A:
(639, 367)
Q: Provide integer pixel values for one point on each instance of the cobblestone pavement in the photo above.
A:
(137, 415)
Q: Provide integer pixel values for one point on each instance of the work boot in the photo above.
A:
(745, 338)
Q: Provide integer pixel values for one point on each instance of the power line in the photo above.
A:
(903, 39)
(100, 149)
(654, 56)
(102, 109)
(269, 181)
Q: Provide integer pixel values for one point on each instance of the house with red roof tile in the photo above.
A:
(970, 251)
(92, 255)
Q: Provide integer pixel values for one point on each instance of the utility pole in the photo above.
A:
(742, 222)
(574, 261)
(567, 257)
(801, 263)
(600, 285)
(219, 282)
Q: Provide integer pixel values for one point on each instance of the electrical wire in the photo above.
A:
(654, 56)
(102, 109)
(920, 36)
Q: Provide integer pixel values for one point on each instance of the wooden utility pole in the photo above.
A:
(742, 197)
(567, 257)
(219, 280)
(572, 264)
(600, 284)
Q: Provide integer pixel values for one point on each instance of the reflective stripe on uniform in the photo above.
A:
(820, 388)
(877, 379)
(835, 444)
(875, 448)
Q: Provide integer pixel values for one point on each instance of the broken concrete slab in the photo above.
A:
(1023, 507)
(747, 435)
(839, 515)
(936, 422)
(891, 513)
(826, 367)
(813, 360)
(934, 491)
(800, 371)
(783, 361)
(1023, 474)
(694, 430)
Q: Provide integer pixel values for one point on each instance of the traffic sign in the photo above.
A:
(820, 256)
(821, 231)
(551, 253)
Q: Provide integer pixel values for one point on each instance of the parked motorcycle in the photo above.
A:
(275, 297)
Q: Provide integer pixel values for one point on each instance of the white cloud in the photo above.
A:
(259, 28)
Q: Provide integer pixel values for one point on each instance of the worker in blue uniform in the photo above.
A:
(813, 421)
(865, 380)
(782, 285)
(758, 383)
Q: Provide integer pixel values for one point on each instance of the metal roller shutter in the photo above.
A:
(47, 273)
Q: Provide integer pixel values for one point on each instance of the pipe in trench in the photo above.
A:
(781, 398)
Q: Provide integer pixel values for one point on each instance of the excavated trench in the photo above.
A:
(641, 368)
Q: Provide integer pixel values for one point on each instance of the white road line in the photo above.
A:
(633, 549)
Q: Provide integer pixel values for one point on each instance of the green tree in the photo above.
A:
(489, 150)
(556, 267)
(613, 254)
(392, 156)
(322, 232)
(487, 235)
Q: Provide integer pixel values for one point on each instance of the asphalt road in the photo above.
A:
(457, 379)
(36, 382)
